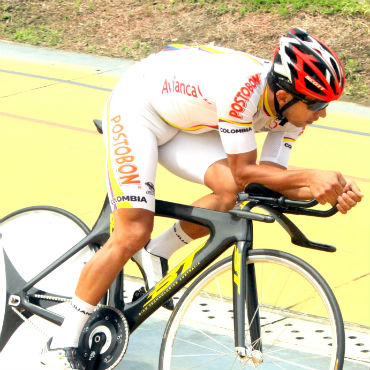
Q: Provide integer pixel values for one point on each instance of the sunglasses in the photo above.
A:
(314, 105)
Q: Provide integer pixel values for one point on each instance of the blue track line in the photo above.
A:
(341, 130)
(56, 80)
(107, 89)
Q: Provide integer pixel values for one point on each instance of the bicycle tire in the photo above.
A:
(32, 238)
(199, 333)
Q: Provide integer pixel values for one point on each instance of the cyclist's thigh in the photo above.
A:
(190, 155)
(132, 131)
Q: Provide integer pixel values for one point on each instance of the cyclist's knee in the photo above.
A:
(131, 232)
(226, 200)
(129, 242)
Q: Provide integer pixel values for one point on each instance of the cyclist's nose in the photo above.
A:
(320, 114)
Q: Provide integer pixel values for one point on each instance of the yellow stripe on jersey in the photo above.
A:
(248, 124)
(177, 46)
(217, 51)
(287, 139)
(260, 103)
(266, 103)
(211, 50)
(192, 128)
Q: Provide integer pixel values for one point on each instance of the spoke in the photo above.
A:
(200, 355)
(232, 365)
(219, 291)
(205, 362)
(213, 339)
(204, 347)
(297, 366)
(261, 299)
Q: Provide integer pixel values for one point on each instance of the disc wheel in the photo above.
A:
(32, 238)
(112, 323)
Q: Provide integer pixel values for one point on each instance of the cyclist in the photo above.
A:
(197, 110)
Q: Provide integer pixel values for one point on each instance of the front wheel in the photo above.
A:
(301, 324)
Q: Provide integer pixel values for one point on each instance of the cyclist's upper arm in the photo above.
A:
(278, 145)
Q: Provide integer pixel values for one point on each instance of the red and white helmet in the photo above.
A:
(305, 66)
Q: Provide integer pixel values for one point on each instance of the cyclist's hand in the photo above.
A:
(327, 186)
(350, 197)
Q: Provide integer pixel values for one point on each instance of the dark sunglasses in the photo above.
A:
(314, 105)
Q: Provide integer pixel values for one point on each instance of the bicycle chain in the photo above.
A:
(50, 298)
(30, 322)
(45, 297)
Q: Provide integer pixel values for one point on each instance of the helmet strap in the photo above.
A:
(279, 111)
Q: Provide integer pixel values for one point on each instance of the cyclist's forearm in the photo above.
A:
(296, 182)
(303, 193)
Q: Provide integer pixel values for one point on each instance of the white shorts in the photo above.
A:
(136, 137)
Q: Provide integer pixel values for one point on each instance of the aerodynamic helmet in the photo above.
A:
(308, 69)
(305, 66)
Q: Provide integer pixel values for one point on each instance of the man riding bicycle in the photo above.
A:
(196, 110)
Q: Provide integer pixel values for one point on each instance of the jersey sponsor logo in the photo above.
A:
(151, 188)
(287, 140)
(183, 88)
(236, 130)
(242, 97)
(128, 198)
(122, 154)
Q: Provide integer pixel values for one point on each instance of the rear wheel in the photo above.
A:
(32, 238)
(301, 324)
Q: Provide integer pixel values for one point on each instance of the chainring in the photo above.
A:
(113, 324)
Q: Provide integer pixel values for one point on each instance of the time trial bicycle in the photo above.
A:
(257, 308)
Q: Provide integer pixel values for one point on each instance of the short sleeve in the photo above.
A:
(278, 145)
(236, 107)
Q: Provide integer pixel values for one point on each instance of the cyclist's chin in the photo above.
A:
(301, 124)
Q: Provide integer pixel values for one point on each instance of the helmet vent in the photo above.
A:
(291, 55)
(335, 67)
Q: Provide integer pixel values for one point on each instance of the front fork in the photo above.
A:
(245, 298)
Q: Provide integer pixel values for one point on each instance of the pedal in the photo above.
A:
(104, 338)
(138, 293)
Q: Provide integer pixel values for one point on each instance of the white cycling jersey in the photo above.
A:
(191, 90)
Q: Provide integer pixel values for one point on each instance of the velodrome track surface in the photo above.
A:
(51, 154)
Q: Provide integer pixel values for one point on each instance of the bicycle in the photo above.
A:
(260, 299)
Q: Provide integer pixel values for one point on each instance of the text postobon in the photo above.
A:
(122, 154)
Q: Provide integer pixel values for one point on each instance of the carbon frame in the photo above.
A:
(225, 229)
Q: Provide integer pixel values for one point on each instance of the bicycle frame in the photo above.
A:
(225, 229)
